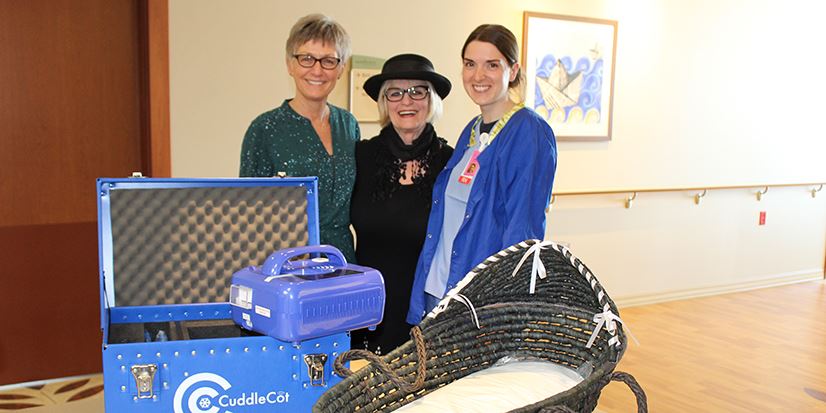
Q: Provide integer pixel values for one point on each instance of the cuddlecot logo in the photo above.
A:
(206, 397)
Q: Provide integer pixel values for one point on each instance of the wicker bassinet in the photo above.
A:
(547, 309)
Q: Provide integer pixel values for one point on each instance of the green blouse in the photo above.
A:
(281, 140)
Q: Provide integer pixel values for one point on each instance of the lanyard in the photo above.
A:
(486, 139)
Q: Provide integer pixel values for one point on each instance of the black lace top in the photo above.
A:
(390, 221)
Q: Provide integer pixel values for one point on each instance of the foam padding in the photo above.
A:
(182, 245)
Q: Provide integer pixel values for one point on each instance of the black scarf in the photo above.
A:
(403, 152)
(392, 155)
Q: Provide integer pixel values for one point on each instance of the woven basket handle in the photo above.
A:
(421, 352)
(642, 399)
(639, 393)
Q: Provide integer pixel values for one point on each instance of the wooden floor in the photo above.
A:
(759, 351)
(756, 351)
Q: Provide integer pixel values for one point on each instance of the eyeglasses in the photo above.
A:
(395, 94)
(308, 61)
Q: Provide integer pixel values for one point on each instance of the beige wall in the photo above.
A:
(708, 92)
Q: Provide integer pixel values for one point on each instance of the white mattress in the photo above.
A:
(500, 388)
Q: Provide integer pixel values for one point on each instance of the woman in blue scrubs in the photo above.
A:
(497, 184)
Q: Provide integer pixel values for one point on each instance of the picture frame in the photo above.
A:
(569, 63)
(362, 106)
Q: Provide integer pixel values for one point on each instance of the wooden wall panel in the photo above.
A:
(50, 311)
(74, 106)
(69, 105)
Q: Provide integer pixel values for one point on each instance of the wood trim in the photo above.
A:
(775, 280)
(154, 27)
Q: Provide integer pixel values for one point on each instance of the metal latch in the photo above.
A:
(315, 368)
(144, 377)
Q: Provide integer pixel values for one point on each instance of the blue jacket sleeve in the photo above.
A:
(527, 176)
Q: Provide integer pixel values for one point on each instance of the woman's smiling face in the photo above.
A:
(408, 116)
(314, 83)
(486, 74)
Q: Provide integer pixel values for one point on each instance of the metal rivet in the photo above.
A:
(193, 352)
(139, 355)
(158, 355)
(295, 358)
(246, 349)
(317, 345)
(305, 385)
(166, 366)
(264, 348)
(211, 351)
(122, 388)
(227, 350)
(120, 357)
(123, 368)
(186, 374)
(295, 376)
(281, 348)
(335, 344)
(177, 354)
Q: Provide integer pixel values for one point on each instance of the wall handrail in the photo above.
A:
(680, 189)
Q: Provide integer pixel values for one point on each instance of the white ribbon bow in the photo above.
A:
(609, 320)
(538, 268)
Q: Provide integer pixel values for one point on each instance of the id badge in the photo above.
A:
(470, 170)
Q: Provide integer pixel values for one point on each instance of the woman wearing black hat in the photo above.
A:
(395, 172)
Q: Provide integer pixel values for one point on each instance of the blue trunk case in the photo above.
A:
(168, 249)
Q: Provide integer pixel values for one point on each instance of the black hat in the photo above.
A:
(407, 66)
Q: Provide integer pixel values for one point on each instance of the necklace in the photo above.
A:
(485, 138)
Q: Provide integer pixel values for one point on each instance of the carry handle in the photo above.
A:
(279, 261)
(629, 380)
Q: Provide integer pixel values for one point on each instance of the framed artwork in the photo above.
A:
(362, 106)
(569, 68)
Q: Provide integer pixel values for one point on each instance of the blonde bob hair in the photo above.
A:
(321, 28)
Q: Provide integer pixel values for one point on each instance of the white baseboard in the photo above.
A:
(773, 281)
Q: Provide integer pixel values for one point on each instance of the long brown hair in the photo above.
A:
(504, 41)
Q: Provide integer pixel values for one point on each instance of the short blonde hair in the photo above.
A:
(434, 112)
(320, 28)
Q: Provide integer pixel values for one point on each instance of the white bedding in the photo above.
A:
(499, 388)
